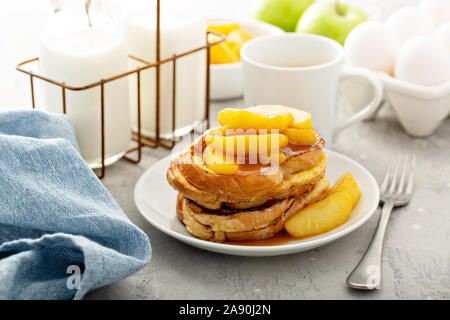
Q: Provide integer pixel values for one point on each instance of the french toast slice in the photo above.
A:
(250, 224)
(294, 185)
(247, 189)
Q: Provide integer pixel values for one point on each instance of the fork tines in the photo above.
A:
(400, 173)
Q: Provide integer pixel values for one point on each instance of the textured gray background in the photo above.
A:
(416, 260)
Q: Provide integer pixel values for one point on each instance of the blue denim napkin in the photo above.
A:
(61, 232)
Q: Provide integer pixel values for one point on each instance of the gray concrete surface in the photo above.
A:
(416, 259)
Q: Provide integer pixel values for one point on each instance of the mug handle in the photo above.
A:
(348, 72)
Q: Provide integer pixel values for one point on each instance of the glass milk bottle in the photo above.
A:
(80, 45)
(181, 31)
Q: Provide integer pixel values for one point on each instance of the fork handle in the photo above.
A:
(367, 274)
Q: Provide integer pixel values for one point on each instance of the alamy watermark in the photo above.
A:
(74, 280)
(235, 146)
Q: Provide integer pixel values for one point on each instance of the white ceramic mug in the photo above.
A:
(302, 71)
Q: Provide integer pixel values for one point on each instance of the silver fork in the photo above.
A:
(396, 191)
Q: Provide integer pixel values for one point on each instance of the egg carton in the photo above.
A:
(420, 109)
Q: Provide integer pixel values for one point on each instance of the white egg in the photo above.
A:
(369, 45)
(409, 22)
(438, 10)
(422, 60)
(442, 35)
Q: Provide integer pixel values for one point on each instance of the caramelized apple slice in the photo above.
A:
(247, 119)
(302, 119)
(219, 163)
(348, 183)
(238, 38)
(215, 131)
(224, 29)
(300, 136)
(279, 157)
(223, 52)
(247, 145)
(322, 216)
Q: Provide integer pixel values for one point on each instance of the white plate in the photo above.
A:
(156, 200)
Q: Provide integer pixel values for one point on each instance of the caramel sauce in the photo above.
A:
(292, 149)
(281, 238)
(248, 168)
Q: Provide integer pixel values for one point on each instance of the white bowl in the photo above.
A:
(420, 109)
(226, 79)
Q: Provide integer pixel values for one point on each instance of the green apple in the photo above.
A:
(331, 19)
(282, 13)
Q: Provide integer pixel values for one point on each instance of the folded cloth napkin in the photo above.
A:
(61, 232)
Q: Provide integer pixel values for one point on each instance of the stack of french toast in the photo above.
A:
(244, 179)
